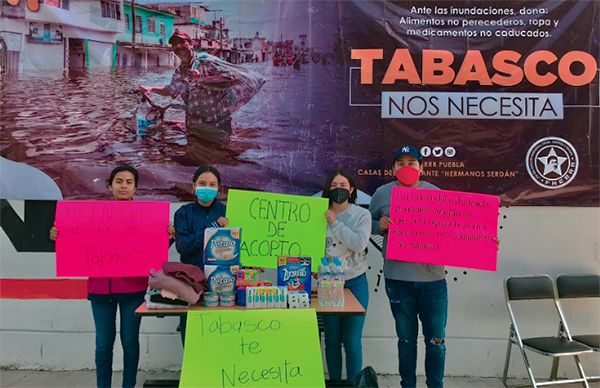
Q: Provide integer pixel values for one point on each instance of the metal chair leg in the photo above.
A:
(528, 367)
(554, 370)
(506, 362)
(581, 372)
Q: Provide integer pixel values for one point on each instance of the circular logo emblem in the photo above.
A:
(450, 152)
(438, 151)
(425, 151)
(552, 162)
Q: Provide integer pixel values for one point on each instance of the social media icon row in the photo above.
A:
(438, 152)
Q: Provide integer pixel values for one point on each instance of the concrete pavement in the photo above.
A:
(87, 378)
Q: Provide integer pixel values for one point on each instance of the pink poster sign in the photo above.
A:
(444, 228)
(111, 238)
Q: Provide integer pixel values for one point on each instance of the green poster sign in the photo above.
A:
(277, 225)
(252, 348)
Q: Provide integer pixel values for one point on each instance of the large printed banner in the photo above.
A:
(276, 225)
(501, 97)
(252, 348)
(111, 238)
(444, 228)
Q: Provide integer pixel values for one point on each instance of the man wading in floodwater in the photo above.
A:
(211, 89)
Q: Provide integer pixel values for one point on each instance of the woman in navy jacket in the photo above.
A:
(192, 219)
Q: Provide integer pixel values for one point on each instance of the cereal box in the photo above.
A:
(294, 273)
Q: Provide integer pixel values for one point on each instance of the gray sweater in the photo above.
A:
(347, 239)
(394, 269)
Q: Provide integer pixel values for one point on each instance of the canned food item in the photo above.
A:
(210, 303)
(210, 296)
(227, 303)
(227, 299)
(226, 296)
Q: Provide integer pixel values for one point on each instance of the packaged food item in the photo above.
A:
(247, 277)
(210, 304)
(266, 297)
(227, 295)
(210, 299)
(294, 273)
(298, 299)
(240, 296)
(220, 278)
(210, 296)
(250, 297)
(227, 299)
(222, 246)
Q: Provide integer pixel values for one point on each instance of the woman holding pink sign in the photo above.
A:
(348, 231)
(124, 293)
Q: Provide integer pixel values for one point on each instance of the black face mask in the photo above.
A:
(339, 195)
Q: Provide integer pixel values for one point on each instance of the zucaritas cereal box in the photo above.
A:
(222, 246)
(294, 273)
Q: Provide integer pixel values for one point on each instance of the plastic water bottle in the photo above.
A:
(145, 116)
(324, 287)
(338, 281)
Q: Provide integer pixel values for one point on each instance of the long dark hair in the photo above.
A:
(206, 168)
(346, 175)
(121, 168)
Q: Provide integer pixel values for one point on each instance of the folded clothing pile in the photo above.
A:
(176, 285)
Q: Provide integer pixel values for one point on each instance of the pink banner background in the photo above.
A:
(444, 227)
(111, 238)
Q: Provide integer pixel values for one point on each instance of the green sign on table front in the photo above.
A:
(252, 348)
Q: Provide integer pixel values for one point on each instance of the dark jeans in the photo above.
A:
(427, 301)
(347, 330)
(182, 325)
(105, 314)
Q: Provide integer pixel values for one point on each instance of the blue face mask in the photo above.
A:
(206, 194)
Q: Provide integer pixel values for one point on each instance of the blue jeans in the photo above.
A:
(429, 302)
(347, 330)
(105, 314)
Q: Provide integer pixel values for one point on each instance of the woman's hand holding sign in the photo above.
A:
(53, 233)
(222, 221)
(330, 216)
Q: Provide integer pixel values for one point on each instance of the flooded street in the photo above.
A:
(77, 127)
